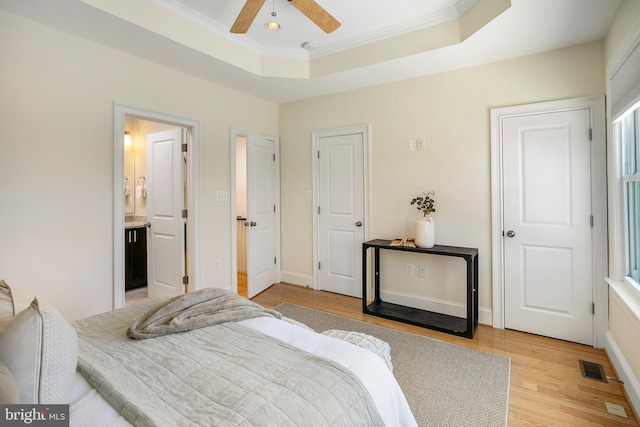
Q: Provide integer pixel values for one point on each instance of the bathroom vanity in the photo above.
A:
(135, 256)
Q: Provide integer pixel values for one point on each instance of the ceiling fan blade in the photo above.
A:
(246, 16)
(317, 14)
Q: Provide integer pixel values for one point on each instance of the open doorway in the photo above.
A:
(255, 212)
(241, 214)
(149, 199)
(154, 142)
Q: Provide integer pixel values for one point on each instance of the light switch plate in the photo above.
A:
(410, 269)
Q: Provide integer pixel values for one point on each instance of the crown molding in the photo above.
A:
(391, 31)
(463, 6)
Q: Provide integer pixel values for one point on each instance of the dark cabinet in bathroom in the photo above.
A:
(135, 257)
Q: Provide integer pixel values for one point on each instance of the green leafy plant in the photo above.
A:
(424, 203)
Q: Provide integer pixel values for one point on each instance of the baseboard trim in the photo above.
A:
(485, 315)
(297, 279)
(631, 384)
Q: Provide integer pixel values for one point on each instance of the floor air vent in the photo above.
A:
(593, 371)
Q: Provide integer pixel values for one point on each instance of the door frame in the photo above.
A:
(598, 204)
(234, 133)
(365, 130)
(193, 193)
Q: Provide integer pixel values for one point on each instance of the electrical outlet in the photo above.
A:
(408, 145)
(422, 270)
(420, 144)
(410, 269)
(217, 264)
(615, 409)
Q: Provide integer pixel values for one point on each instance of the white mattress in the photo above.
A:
(88, 407)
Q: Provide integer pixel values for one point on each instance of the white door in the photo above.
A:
(165, 202)
(547, 225)
(261, 214)
(341, 212)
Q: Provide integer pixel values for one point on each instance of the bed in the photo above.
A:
(238, 369)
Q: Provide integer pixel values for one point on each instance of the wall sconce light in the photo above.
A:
(127, 139)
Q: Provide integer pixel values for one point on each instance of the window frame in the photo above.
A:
(629, 174)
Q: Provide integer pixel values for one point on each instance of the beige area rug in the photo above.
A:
(445, 384)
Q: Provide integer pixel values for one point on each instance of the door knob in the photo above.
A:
(148, 225)
(359, 224)
(511, 233)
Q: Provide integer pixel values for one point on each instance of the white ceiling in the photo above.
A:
(201, 45)
(363, 21)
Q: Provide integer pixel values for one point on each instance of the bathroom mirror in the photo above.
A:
(129, 183)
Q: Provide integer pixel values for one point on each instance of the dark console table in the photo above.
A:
(428, 319)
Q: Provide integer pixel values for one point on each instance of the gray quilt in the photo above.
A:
(221, 375)
(206, 307)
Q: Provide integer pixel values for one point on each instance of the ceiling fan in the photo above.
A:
(309, 8)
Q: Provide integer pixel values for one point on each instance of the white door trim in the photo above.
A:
(365, 130)
(598, 204)
(193, 194)
(232, 200)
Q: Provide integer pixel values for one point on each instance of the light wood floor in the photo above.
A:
(547, 388)
(242, 285)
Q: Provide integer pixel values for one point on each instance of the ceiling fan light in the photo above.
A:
(273, 26)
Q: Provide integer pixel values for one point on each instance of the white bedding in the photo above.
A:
(88, 407)
(367, 366)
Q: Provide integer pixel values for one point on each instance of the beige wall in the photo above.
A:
(451, 111)
(57, 95)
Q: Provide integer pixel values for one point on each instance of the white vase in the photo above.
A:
(425, 232)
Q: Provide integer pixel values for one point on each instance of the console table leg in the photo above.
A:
(470, 297)
(376, 274)
(364, 278)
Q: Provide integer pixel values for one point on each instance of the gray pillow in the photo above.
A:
(8, 389)
(13, 300)
(6, 301)
(40, 349)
